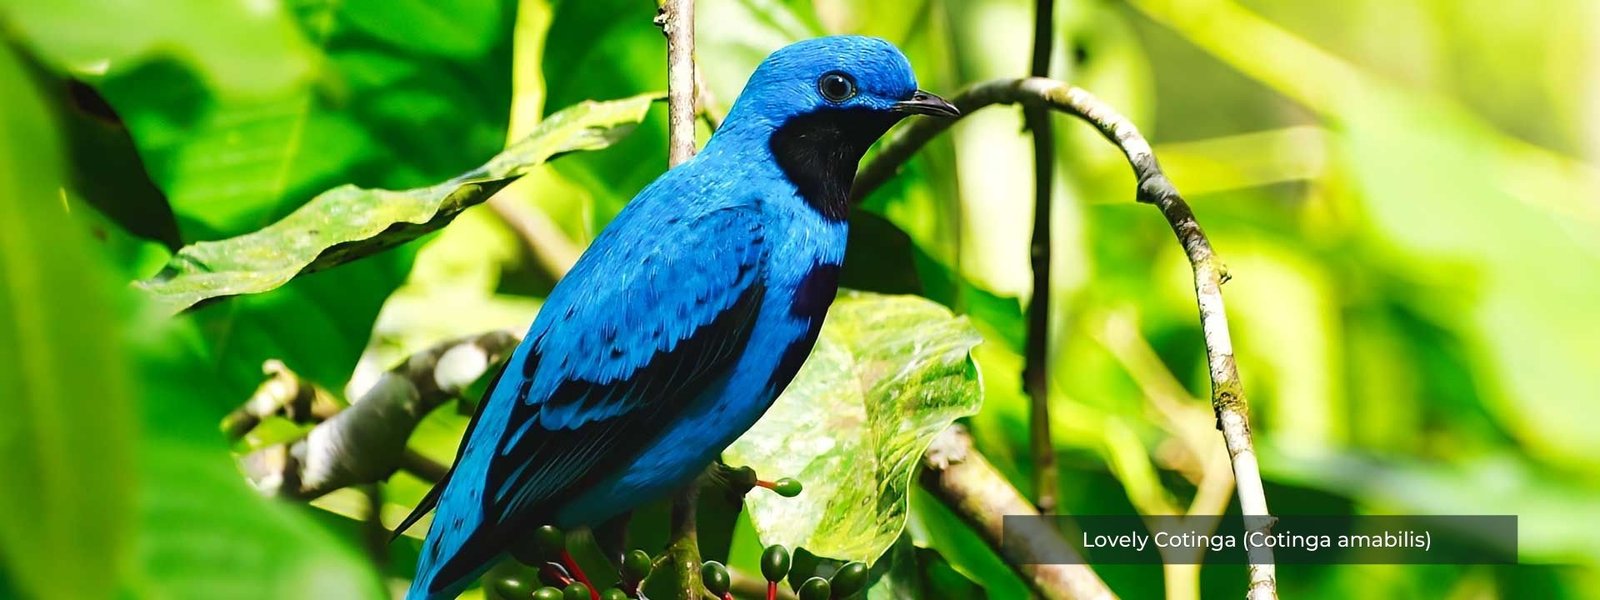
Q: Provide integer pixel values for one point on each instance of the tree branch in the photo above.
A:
(366, 443)
(676, 19)
(1227, 393)
(1036, 365)
(959, 476)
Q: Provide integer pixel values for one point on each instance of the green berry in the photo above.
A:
(613, 594)
(512, 587)
(576, 591)
(547, 593)
(715, 577)
(787, 487)
(635, 566)
(849, 579)
(775, 563)
(815, 588)
(549, 542)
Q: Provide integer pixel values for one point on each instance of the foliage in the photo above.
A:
(1405, 205)
(887, 375)
(120, 484)
(347, 222)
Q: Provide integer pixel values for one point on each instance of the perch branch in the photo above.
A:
(1035, 377)
(959, 476)
(676, 19)
(1227, 393)
(366, 443)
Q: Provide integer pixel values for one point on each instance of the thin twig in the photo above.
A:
(1227, 393)
(1213, 476)
(1035, 378)
(710, 111)
(676, 19)
(552, 251)
(282, 394)
(958, 475)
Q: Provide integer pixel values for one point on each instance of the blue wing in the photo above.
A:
(656, 310)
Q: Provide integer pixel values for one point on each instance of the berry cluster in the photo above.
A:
(844, 583)
(563, 580)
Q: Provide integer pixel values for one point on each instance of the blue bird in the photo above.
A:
(682, 322)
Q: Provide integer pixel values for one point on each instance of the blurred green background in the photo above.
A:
(1405, 193)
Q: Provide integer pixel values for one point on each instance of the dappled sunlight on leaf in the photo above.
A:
(887, 375)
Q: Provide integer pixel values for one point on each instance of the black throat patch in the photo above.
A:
(819, 153)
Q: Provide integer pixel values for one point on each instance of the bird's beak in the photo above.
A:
(923, 103)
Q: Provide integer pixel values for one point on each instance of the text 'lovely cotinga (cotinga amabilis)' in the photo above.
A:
(684, 319)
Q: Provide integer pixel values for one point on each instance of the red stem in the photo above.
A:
(572, 566)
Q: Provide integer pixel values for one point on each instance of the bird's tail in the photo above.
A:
(459, 547)
(446, 567)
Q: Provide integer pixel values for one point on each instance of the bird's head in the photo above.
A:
(817, 105)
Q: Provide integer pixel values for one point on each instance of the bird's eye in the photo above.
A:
(836, 87)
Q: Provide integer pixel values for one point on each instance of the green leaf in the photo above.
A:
(888, 374)
(386, 105)
(89, 38)
(348, 222)
(915, 573)
(389, 102)
(67, 434)
(118, 482)
(203, 532)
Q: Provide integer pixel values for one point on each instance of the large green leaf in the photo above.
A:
(349, 222)
(117, 481)
(67, 436)
(916, 573)
(203, 532)
(888, 374)
(91, 38)
(398, 97)
(390, 102)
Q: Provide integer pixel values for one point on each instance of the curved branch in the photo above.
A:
(1227, 392)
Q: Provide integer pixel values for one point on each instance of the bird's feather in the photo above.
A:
(682, 322)
(631, 354)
